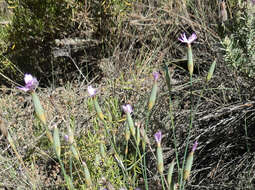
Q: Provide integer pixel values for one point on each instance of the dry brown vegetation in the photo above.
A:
(119, 58)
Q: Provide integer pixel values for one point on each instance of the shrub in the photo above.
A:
(239, 44)
(35, 25)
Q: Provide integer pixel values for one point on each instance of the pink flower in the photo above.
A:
(191, 39)
(30, 83)
(127, 108)
(158, 137)
(194, 146)
(91, 91)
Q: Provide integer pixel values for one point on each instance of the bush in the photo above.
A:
(34, 27)
(239, 44)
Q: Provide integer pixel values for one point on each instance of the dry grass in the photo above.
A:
(223, 122)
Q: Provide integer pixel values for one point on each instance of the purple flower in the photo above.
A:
(91, 91)
(184, 39)
(66, 137)
(253, 2)
(194, 146)
(158, 137)
(156, 75)
(30, 83)
(127, 108)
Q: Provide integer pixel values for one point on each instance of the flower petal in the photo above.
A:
(158, 136)
(28, 78)
(184, 39)
(194, 146)
(91, 91)
(25, 89)
(156, 75)
(127, 108)
(192, 38)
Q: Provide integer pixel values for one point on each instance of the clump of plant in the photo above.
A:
(101, 159)
(239, 44)
(83, 161)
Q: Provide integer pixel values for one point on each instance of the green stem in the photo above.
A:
(162, 181)
(114, 146)
(67, 178)
(142, 161)
(188, 138)
(71, 167)
(144, 157)
(192, 116)
(169, 85)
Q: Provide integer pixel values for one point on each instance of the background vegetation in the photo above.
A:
(115, 45)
